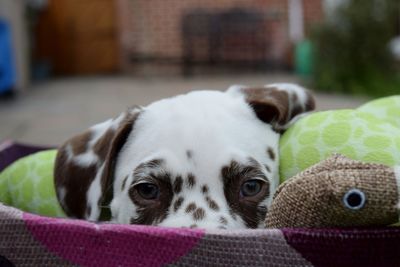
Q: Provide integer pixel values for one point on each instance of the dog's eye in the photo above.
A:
(148, 191)
(250, 188)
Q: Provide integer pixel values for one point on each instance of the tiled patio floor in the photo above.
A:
(50, 112)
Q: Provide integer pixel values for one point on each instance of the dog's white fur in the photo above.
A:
(216, 127)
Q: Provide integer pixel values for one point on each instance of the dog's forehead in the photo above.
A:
(199, 104)
(206, 127)
(198, 114)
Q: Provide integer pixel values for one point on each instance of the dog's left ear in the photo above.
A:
(277, 104)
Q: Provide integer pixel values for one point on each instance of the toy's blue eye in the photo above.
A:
(354, 199)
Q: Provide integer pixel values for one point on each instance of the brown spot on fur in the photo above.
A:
(178, 184)
(262, 210)
(204, 189)
(191, 180)
(178, 203)
(199, 214)
(147, 166)
(296, 110)
(153, 211)
(193, 226)
(298, 107)
(155, 163)
(191, 207)
(310, 102)
(271, 153)
(212, 204)
(267, 168)
(123, 183)
(79, 143)
(269, 104)
(223, 220)
(103, 144)
(153, 169)
(233, 176)
(233, 215)
(69, 177)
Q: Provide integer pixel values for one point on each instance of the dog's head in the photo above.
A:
(205, 159)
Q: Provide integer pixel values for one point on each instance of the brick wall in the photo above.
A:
(313, 13)
(152, 28)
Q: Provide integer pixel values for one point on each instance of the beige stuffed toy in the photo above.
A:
(338, 192)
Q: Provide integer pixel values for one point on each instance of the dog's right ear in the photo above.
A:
(84, 167)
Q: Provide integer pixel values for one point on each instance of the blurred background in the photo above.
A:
(67, 64)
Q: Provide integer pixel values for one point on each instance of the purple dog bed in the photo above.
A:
(31, 240)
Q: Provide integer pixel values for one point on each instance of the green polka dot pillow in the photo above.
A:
(28, 184)
(387, 108)
(370, 133)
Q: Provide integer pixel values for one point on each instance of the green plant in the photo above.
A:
(351, 49)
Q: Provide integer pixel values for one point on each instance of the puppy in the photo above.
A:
(205, 159)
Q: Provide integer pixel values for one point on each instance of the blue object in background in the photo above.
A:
(7, 69)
